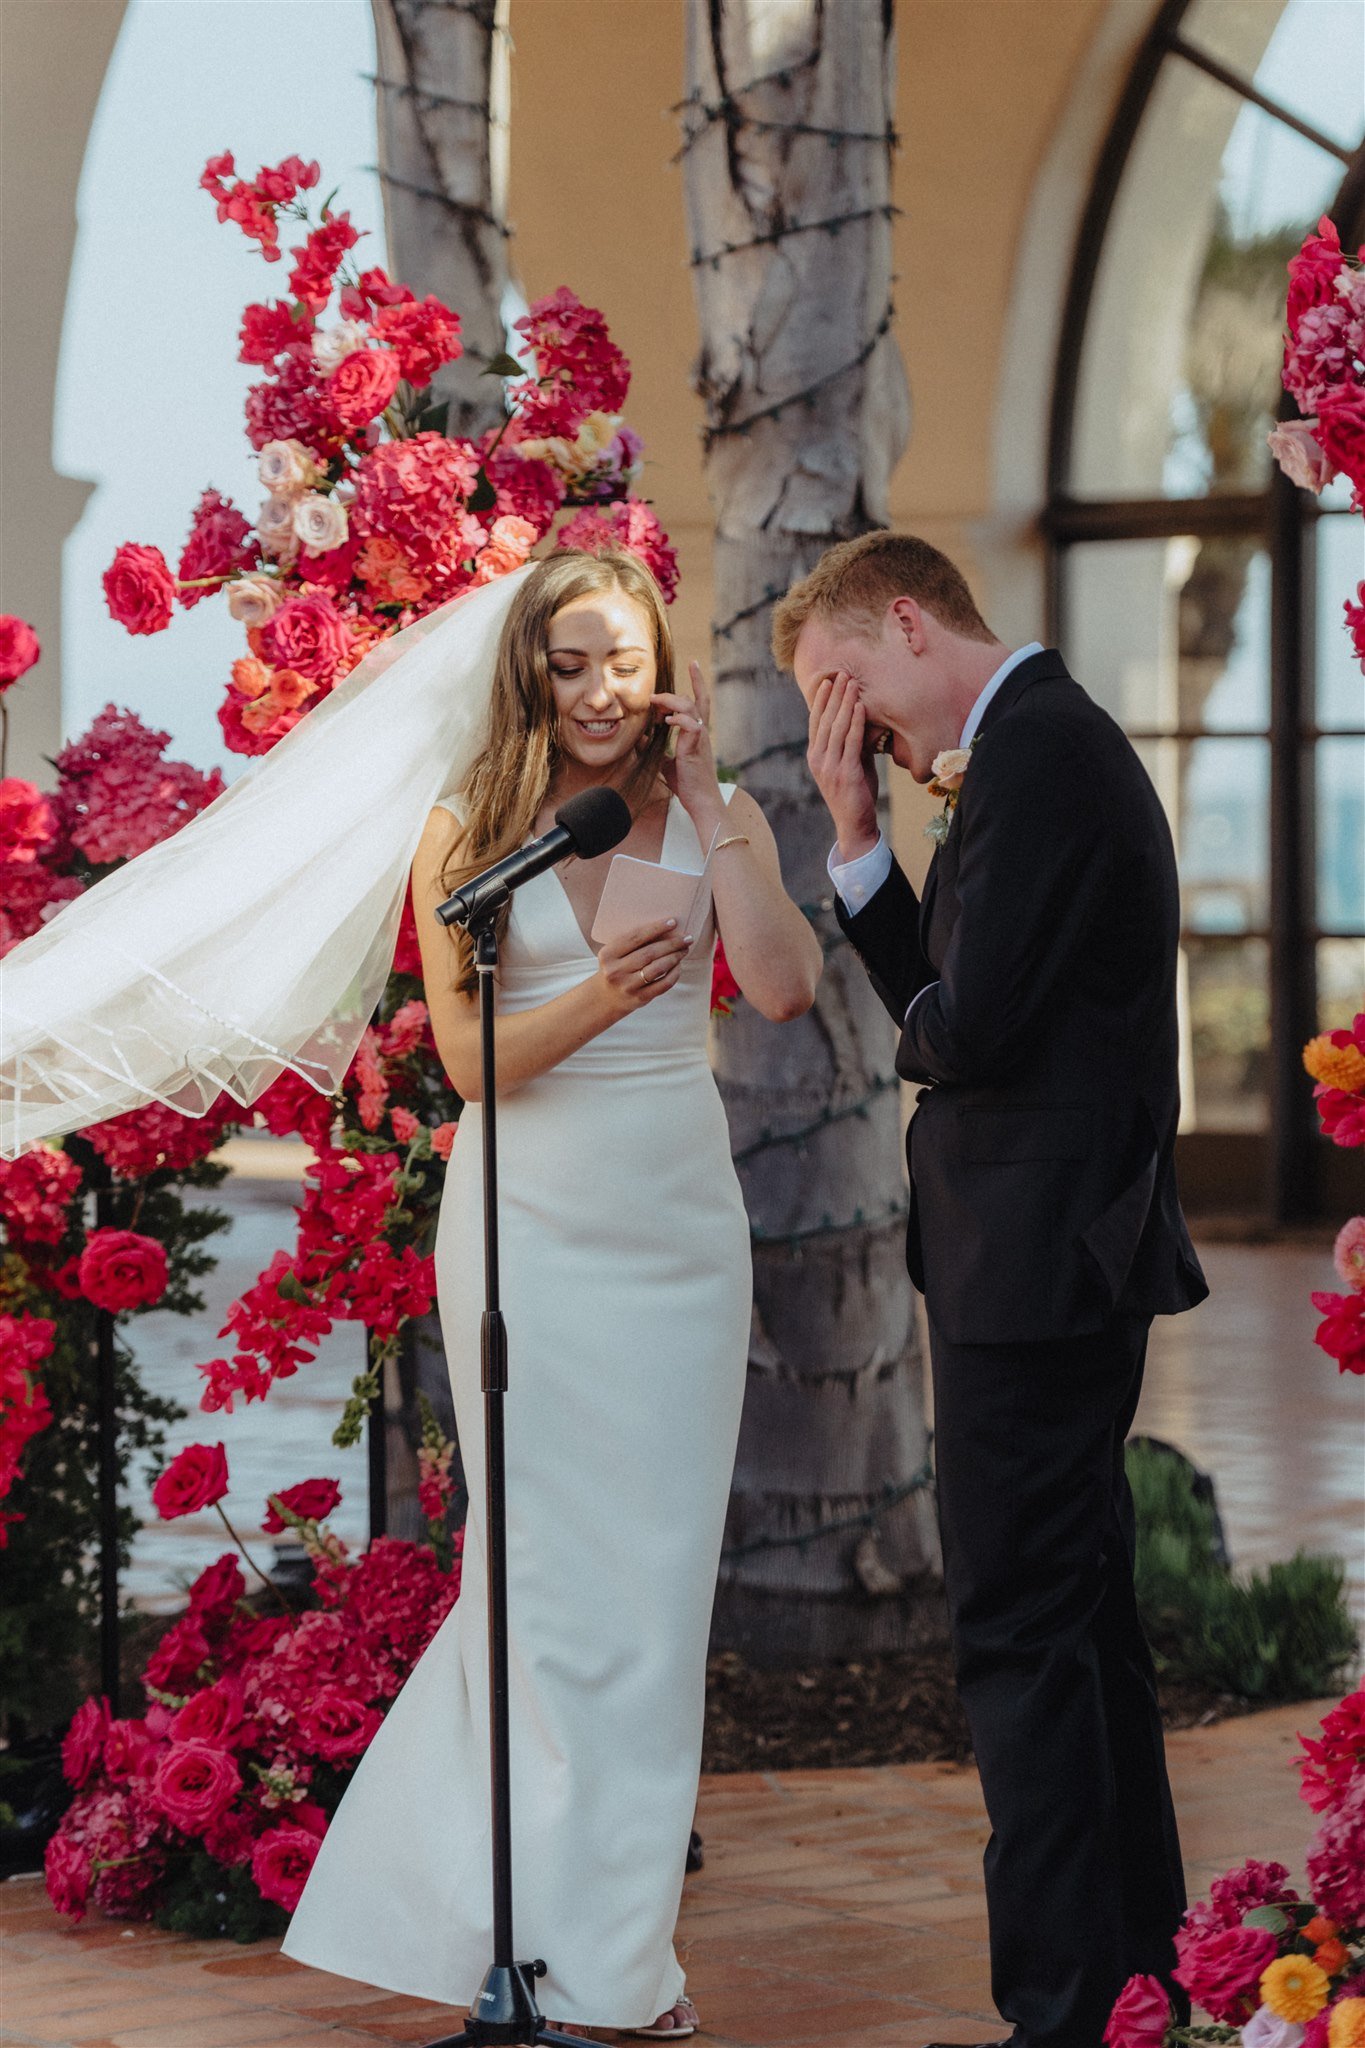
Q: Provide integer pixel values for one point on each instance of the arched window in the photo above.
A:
(1200, 593)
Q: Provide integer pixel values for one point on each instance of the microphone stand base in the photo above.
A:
(505, 2014)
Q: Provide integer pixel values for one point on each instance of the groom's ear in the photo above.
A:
(907, 618)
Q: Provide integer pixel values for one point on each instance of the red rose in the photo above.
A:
(195, 1478)
(182, 1651)
(313, 1499)
(83, 1744)
(360, 387)
(306, 634)
(217, 1590)
(281, 1862)
(122, 1269)
(128, 1750)
(193, 1784)
(66, 1869)
(1341, 431)
(335, 1726)
(27, 822)
(211, 1718)
(1141, 2015)
(18, 648)
(139, 589)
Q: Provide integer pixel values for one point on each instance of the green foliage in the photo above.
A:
(213, 1901)
(1282, 1634)
(49, 1572)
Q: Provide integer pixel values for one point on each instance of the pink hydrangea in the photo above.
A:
(526, 488)
(414, 492)
(117, 793)
(32, 894)
(631, 526)
(36, 1191)
(158, 1139)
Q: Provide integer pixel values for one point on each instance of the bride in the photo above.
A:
(626, 1277)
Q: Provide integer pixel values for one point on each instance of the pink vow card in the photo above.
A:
(641, 892)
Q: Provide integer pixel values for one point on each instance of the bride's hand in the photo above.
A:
(691, 774)
(643, 965)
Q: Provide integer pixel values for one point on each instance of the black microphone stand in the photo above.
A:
(505, 2010)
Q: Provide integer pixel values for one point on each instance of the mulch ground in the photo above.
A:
(900, 1709)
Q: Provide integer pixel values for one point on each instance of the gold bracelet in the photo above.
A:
(735, 839)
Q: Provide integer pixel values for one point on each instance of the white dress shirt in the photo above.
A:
(858, 881)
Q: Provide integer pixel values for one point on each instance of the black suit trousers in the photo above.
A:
(1084, 1884)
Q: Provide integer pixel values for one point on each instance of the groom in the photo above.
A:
(1033, 988)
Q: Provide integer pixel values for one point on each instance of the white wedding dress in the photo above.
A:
(626, 1287)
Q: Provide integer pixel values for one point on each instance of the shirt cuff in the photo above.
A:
(914, 999)
(859, 880)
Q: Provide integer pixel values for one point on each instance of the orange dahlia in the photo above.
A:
(1346, 2028)
(1336, 1065)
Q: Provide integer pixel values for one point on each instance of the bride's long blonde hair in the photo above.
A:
(510, 780)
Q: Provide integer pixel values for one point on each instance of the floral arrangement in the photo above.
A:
(205, 1812)
(1272, 1969)
(1324, 371)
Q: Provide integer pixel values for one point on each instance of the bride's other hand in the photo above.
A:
(691, 774)
(642, 965)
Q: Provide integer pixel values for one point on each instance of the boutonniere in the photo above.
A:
(949, 769)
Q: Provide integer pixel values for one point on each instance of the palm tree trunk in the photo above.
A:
(830, 1542)
(442, 86)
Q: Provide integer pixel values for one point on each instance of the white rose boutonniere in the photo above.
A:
(949, 769)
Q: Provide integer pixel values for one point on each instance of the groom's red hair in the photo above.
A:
(859, 578)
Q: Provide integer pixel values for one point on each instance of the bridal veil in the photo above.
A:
(260, 936)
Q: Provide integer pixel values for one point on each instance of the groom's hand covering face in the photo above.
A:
(841, 755)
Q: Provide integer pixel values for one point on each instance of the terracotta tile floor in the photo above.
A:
(834, 1904)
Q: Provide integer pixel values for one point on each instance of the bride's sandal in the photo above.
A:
(674, 2025)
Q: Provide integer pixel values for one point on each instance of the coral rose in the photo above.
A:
(1346, 2026)
(360, 387)
(509, 543)
(306, 634)
(193, 1783)
(18, 648)
(139, 589)
(312, 1500)
(121, 1269)
(195, 1478)
(281, 1862)
(443, 1140)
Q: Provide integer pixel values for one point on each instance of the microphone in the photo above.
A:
(587, 824)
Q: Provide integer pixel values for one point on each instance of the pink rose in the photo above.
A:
(128, 1750)
(139, 589)
(1141, 2015)
(1341, 431)
(1221, 1968)
(360, 387)
(211, 1717)
(18, 648)
(83, 1744)
(66, 1870)
(306, 634)
(312, 1499)
(121, 1269)
(336, 1726)
(27, 822)
(1348, 1254)
(195, 1478)
(281, 1862)
(1293, 446)
(443, 1140)
(178, 1657)
(194, 1782)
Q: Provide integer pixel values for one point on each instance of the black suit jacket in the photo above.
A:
(1043, 1195)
